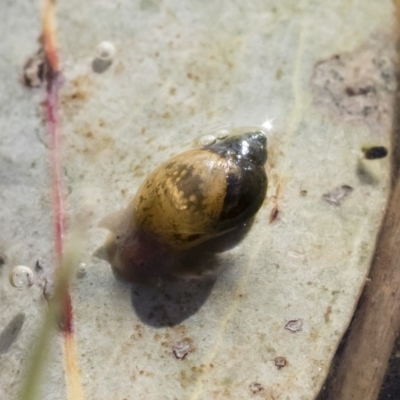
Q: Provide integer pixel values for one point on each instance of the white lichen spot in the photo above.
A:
(105, 51)
(295, 325)
(296, 255)
(82, 270)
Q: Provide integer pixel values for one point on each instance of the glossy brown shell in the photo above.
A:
(183, 198)
(189, 199)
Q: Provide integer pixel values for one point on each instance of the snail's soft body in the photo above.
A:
(189, 199)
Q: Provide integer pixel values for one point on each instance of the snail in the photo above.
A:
(189, 200)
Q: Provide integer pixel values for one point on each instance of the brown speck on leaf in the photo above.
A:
(303, 193)
(274, 214)
(337, 195)
(182, 349)
(198, 370)
(327, 314)
(193, 77)
(275, 209)
(294, 325)
(359, 91)
(138, 332)
(278, 74)
(256, 387)
(280, 362)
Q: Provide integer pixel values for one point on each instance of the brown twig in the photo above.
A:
(363, 362)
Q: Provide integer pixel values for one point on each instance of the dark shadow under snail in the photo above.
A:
(195, 204)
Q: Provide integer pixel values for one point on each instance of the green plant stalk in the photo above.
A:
(31, 385)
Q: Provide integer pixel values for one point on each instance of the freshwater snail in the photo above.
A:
(190, 199)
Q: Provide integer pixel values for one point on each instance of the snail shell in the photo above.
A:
(189, 199)
(21, 277)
